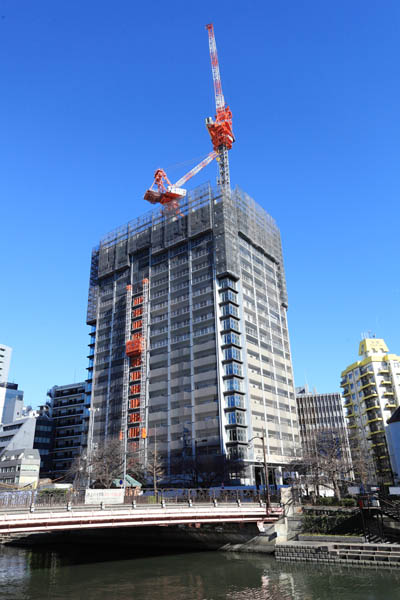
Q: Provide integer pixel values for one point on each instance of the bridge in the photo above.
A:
(69, 518)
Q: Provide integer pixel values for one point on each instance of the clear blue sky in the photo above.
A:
(96, 95)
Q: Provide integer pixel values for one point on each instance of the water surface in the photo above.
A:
(87, 574)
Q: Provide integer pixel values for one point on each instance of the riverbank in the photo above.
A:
(366, 555)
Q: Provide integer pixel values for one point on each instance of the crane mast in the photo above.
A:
(220, 130)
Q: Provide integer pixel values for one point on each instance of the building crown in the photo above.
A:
(370, 346)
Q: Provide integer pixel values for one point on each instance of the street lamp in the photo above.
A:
(259, 437)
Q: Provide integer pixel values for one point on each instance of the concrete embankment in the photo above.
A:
(367, 555)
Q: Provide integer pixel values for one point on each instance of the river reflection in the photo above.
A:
(93, 575)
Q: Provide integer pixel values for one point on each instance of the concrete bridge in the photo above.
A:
(70, 518)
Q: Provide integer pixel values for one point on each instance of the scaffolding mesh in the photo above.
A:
(203, 209)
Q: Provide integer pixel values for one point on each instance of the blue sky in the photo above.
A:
(96, 95)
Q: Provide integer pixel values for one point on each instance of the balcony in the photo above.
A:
(346, 392)
(68, 434)
(343, 382)
(365, 385)
(378, 444)
(375, 432)
(350, 414)
(373, 419)
(372, 394)
(390, 405)
(371, 407)
(364, 372)
(388, 393)
(386, 382)
(68, 403)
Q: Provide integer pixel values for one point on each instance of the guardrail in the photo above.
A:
(30, 500)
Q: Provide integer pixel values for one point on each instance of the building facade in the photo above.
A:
(20, 468)
(393, 437)
(5, 359)
(371, 394)
(319, 414)
(44, 440)
(69, 412)
(11, 402)
(18, 434)
(189, 344)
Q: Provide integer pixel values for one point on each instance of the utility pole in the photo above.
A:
(267, 497)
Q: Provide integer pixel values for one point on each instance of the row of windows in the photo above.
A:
(228, 282)
(233, 369)
(230, 324)
(227, 296)
(232, 354)
(229, 309)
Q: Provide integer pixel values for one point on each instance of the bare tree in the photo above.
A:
(325, 462)
(155, 468)
(104, 465)
(364, 472)
(78, 471)
(206, 470)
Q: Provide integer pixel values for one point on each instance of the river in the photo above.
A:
(84, 574)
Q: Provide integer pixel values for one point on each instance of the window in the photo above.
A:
(233, 369)
(234, 400)
(228, 282)
(232, 354)
(231, 338)
(230, 324)
(236, 418)
(233, 385)
(229, 309)
(227, 296)
(237, 435)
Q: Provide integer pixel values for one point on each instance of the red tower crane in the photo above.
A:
(220, 130)
(168, 194)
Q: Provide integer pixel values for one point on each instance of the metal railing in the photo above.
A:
(32, 499)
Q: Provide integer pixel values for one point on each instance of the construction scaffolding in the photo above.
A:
(204, 208)
(125, 263)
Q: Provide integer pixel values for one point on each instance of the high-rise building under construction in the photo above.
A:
(189, 343)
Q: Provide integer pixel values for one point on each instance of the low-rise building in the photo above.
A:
(17, 434)
(20, 468)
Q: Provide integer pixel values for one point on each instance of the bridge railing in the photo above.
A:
(16, 500)
(198, 496)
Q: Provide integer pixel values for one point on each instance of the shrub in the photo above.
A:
(46, 492)
(322, 523)
(348, 502)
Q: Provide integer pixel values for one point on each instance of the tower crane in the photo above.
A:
(168, 194)
(162, 190)
(220, 130)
